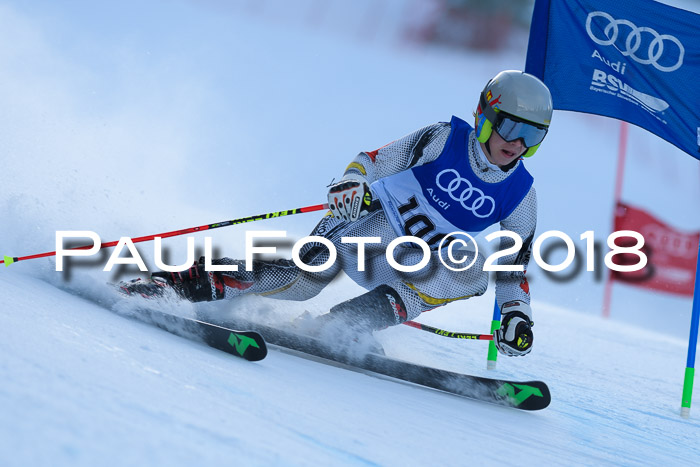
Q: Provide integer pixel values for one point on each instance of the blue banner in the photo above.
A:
(634, 60)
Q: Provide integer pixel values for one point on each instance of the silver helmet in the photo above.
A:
(518, 106)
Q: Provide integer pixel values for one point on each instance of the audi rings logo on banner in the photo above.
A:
(461, 190)
(634, 41)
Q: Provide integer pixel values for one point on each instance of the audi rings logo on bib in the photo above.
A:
(665, 52)
(462, 191)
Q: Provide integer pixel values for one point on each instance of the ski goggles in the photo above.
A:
(511, 128)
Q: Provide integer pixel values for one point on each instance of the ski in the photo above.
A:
(528, 395)
(248, 345)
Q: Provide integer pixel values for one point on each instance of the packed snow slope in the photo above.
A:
(131, 119)
(83, 386)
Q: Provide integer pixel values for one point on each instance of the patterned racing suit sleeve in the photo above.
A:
(417, 148)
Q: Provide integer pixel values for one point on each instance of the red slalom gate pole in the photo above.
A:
(10, 259)
(444, 333)
(619, 179)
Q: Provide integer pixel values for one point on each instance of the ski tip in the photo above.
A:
(531, 395)
(8, 260)
(249, 345)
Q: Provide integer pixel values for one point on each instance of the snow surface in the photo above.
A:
(133, 118)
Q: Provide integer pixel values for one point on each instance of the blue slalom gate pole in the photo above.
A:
(495, 324)
(692, 345)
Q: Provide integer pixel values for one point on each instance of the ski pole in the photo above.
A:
(455, 335)
(10, 259)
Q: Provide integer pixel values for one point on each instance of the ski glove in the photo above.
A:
(349, 199)
(514, 338)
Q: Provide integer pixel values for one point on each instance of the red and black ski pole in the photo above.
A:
(13, 259)
(444, 333)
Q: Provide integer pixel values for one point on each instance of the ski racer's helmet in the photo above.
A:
(518, 106)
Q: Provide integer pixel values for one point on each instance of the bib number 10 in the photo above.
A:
(417, 224)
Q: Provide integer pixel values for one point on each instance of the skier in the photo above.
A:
(443, 178)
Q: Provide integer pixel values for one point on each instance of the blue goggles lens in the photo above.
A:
(511, 129)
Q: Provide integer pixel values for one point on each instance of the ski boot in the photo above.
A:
(194, 284)
(354, 320)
